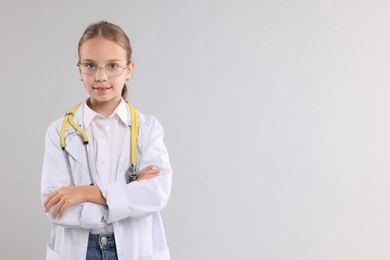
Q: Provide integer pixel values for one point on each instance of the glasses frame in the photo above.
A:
(102, 67)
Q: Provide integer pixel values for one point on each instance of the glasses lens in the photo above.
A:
(113, 69)
(88, 68)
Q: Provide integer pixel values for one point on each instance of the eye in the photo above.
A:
(90, 66)
(112, 66)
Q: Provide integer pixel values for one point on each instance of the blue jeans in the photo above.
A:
(101, 247)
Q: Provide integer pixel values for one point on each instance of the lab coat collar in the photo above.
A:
(121, 111)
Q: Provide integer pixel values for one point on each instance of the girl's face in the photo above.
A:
(99, 52)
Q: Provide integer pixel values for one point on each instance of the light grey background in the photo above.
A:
(276, 116)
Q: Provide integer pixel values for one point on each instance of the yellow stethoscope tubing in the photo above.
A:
(134, 134)
(133, 138)
(69, 118)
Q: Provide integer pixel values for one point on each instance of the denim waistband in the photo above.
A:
(101, 240)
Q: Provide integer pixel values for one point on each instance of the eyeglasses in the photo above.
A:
(112, 69)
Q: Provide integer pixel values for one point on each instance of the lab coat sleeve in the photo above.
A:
(55, 175)
(142, 198)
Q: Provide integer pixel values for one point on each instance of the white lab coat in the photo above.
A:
(133, 209)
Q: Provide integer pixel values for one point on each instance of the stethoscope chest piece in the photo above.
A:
(132, 173)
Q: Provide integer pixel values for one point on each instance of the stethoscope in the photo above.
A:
(132, 173)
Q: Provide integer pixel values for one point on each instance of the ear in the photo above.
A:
(129, 70)
(81, 75)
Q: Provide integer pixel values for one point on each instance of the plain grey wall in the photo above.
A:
(276, 116)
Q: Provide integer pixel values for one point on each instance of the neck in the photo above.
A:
(103, 108)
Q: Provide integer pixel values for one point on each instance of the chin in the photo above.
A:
(105, 99)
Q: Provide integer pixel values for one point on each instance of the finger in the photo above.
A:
(57, 208)
(149, 176)
(52, 202)
(64, 206)
(153, 171)
(147, 168)
(51, 195)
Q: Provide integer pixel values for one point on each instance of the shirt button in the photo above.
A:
(102, 162)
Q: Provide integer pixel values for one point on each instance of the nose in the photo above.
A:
(100, 74)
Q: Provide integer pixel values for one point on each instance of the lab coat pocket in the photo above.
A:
(163, 255)
(53, 255)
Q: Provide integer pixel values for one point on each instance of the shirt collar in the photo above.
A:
(120, 111)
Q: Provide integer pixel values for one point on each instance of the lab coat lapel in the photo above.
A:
(75, 143)
(76, 148)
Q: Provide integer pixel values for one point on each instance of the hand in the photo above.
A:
(66, 197)
(148, 173)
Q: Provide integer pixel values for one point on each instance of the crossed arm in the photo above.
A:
(68, 196)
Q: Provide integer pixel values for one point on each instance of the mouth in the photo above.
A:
(101, 89)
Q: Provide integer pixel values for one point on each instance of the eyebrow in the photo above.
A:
(89, 60)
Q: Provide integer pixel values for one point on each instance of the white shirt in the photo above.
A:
(105, 143)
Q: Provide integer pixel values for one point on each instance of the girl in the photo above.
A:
(99, 205)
